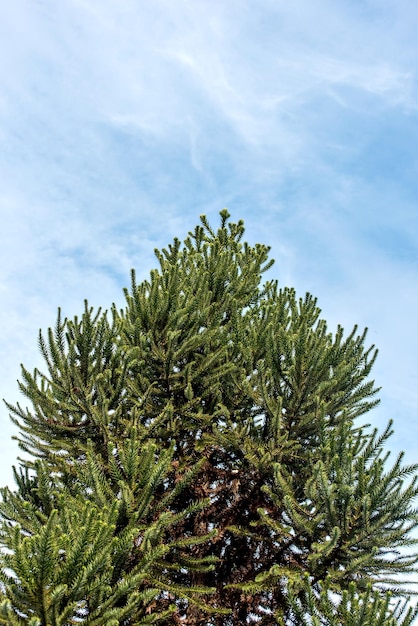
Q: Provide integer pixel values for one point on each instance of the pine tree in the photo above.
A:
(199, 458)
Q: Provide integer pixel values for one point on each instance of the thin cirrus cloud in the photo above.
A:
(120, 124)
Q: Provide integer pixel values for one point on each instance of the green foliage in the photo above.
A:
(84, 555)
(196, 458)
(352, 608)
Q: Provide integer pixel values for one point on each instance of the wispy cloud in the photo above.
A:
(121, 123)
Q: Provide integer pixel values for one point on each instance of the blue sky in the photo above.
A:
(122, 122)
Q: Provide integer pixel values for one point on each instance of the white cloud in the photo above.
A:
(121, 123)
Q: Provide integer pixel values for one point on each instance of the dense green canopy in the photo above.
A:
(200, 458)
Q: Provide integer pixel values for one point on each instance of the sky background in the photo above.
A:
(122, 122)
